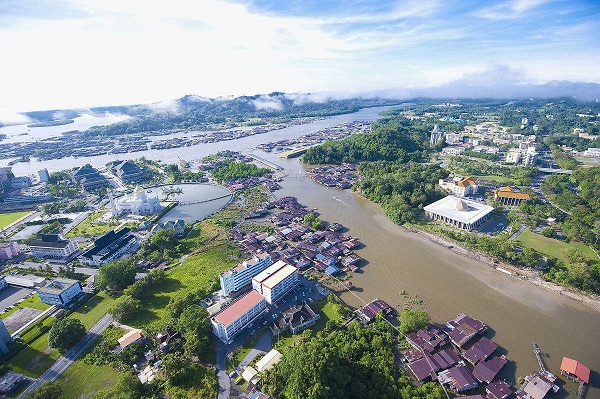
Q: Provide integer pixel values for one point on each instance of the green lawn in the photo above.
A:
(507, 181)
(82, 380)
(35, 359)
(31, 302)
(91, 226)
(93, 310)
(8, 218)
(553, 247)
(197, 271)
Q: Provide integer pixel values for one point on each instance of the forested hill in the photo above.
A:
(391, 139)
(195, 112)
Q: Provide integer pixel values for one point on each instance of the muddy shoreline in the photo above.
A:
(530, 276)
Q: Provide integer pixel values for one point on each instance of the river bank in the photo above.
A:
(530, 276)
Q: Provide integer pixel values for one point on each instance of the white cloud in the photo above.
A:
(266, 102)
(10, 116)
(509, 10)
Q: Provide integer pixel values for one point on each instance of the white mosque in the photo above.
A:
(137, 203)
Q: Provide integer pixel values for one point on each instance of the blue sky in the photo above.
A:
(98, 52)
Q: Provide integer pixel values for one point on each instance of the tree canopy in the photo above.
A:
(65, 333)
(116, 275)
(413, 320)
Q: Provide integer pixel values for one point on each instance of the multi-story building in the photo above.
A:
(128, 172)
(9, 250)
(109, 247)
(2, 283)
(89, 178)
(241, 275)
(458, 186)
(275, 281)
(508, 196)
(53, 246)
(513, 156)
(5, 339)
(453, 138)
(60, 291)
(232, 320)
(437, 134)
(530, 156)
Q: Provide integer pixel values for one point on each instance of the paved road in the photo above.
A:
(70, 356)
(263, 345)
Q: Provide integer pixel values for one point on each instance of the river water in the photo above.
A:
(517, 312)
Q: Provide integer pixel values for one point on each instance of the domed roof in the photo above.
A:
(138, 190)
(461, 206)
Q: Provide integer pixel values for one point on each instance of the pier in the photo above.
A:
(538, 351)
(270, 164)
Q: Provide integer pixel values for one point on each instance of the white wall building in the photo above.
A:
(437, 134)
(53, 246)
(60, 291)
(276, 281)
(9, 250)
(232, 320)
(459, 186)
(241, 275)
(592, 152)
(530, 156)
(513, 156)
(137, 203)
(461, 213)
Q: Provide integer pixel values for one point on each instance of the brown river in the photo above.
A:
(518, 313)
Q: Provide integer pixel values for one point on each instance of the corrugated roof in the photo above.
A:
(242, 305)
(575, 368)
(130, 338)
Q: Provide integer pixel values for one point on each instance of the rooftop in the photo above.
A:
(130, 338)
(573, 367)
(57, 285)
(461, 210)
(242, 305)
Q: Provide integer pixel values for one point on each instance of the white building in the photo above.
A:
(513, 156)
(53, 246)
(461, 213)
(232, 320)
(530, 156)
(241, 275)
(137, 203)
(453, 138)
(437, 134)
(9, 250)
(459, 186)
(44, 175)
(592, 152)
(60, 291)
(276, 281)
(453, 150)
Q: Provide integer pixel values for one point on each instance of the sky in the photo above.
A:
(81, 53)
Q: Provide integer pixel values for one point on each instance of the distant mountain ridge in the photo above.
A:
(497, 84)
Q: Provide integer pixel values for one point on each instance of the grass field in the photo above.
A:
(496, 179)
(8, 218)
(35, 359)
(33, 302)
(91, 226)
(197, 271)
(552, 247)
(93, 310)
(82, 380)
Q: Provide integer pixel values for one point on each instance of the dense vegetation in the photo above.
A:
(192, 112)
(521, 175)
(233, 170)
(357, 362)
(401, 189)
(391, 139)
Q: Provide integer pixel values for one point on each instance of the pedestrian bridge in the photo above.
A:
(203, 201)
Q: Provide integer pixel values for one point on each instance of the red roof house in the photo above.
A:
(575, 370)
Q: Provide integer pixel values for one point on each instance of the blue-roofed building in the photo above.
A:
(331, 270)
